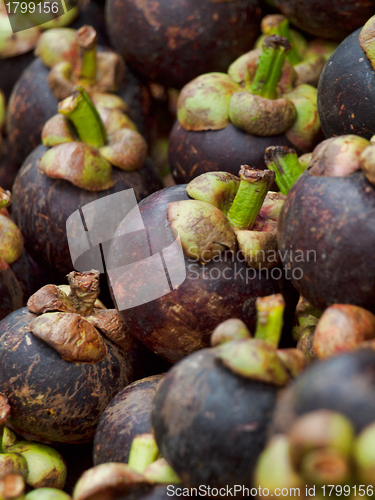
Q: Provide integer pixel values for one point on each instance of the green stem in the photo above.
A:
(87, 42)
(269, 69)
(250, 196)
(80, 109)
(284, 162)
(270, 321)
(143, 452)
(277, 24)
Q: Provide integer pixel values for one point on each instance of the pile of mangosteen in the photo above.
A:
(187, 249)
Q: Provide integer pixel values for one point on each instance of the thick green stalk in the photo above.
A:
(87, 42)
(284, 162)
(143, 452)
(270, 318)
(277, 24)
(269, 69)
(80, 109)
(250, 196)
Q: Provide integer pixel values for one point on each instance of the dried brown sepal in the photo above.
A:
(293, 360)
(4, 409)
(48, 298)
(108, 481)
(343, 327)
(231, 329)
(73, 337)
(12, 487)
(84, 290)
(109, 322)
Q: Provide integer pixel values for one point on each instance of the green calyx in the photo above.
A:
(226, 211)
(81, 111)
(270, 63)
(11, 240)
(284, 162)
(203, 103)
(81, 152)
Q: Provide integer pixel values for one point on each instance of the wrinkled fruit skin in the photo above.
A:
(210, 424)
(333, 20)
(43, 221)
(346, 91)
(194, 153)
(182, 321)
(333, 217)
(127, 415)
(57, 401)
(173, 42)
(344, 384)
(32, 103)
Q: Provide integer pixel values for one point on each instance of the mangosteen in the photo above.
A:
(215, 270)
(212, 410)
(318, 451)
(332, 20)
(344, 383)
(307, 58)
(346, 91)
(20, 276)
(326, 231)
(228, 118)
(171, 43)
(146, 363)
(76, 170)
(63, 358)
(127, 415)
(67, 57)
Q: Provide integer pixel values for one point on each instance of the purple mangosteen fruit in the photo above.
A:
(212, 410)
(343, 383)
(68, 57)
(226, 118)
(127, 415)
(224, 258)
(171, 43)
(326, 230)
(63, 358)
(331, 20)
(346, 91)
(74, 168)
